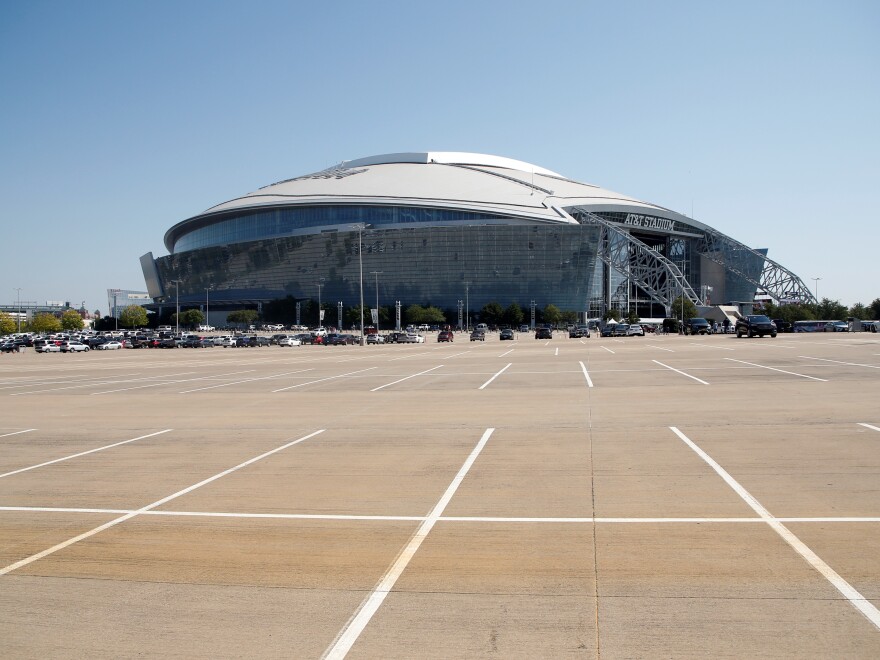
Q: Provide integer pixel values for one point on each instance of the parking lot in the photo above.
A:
(657, 496)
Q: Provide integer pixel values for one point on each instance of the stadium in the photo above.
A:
(455, 230)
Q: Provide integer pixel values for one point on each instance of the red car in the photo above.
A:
(445, 335)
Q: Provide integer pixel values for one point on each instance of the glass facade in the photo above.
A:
(272, 223)
(437, 265)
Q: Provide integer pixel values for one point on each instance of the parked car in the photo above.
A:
(635, 330)
(697, 326)
(620, 330)
(336, 339)
(836, 326)
(111, 345)
(608, 330)
(478, 335)
(411, 338)
(782, 326)
(755, 325)
(543, 333)
(227, 342)
(506, 334)
(289, 341)
(445, 335)
(74, 347)
(375, 339)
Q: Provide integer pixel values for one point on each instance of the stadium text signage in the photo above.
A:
(649, 222)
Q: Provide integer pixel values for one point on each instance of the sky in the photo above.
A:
(120, 119)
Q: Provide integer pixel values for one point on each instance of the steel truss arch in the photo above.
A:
(655, 274)
(776, 281)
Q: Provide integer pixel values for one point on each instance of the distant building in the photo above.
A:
(119, 299)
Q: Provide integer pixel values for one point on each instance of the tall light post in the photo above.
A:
(816, 280)
(319, 284)
(177, 304)
(377, 273)
(467, 306)
(115, 309)
(207, 305)
(18, 304)
(360, 228)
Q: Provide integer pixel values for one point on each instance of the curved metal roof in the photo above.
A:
(451, 180)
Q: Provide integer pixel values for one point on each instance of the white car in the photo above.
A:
(50, 347)
(110, 345)
(289, 341)
(226, 342)
(74, 347)
(635, 330)
(412, 338)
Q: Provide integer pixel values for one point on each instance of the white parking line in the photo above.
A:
(869, 426)
(321, 380)
(722, 348)
(609, 350)
(406, 357)
(849, 364)
(668, 350)
(169, 382)
(495, 376)
(82, 453)
(507, 353)
(376, 389)
(681, 372)
(112, 523)
(6, 435)
(854, 597)
(463, 519)
(557, 350)
(791, 373)
(246, 380)
(586, 375)
(108, 382)
(355, 626)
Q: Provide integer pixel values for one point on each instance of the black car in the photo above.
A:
(782, 326)
(608, 330)
(543, 333)
(506, 334)
(755, 325)
(696, 326)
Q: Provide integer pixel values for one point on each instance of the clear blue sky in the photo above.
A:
(119, 119)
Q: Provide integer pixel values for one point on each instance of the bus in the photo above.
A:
(810, 326)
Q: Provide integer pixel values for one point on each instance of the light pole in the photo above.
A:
(377, 273)
(177, 305)
(467, 306)
(319, 284)
(816, 280)
(18, 304)
(207, 305)
(115, 311)
(360, 227)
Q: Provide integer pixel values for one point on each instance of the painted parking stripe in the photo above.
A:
(586, 375)
(609, 350)
(869, 426)
(170, 382)
(668, 350)
(421, 373)
(6, 435)
(681, 372)
(355, 626)
(849, 364)
(121, 519)
(484, 385)
(83, 453)
(107, 382)
(246, 380)
(783, 371)
(321, 380)
(858, 601)
(507, 353)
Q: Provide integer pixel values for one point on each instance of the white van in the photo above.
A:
(481, 327)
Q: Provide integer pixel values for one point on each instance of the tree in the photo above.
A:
(71, 320)
(244, 316)
(830, 310)
(45, 323)
(492, 313)
(683, 308)
(632, 317)
(569, 317)
(612, 314)
(858, 311)
(552, 315)
(514, 315)
(133, 316)
(7, 324)
(875, 309)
